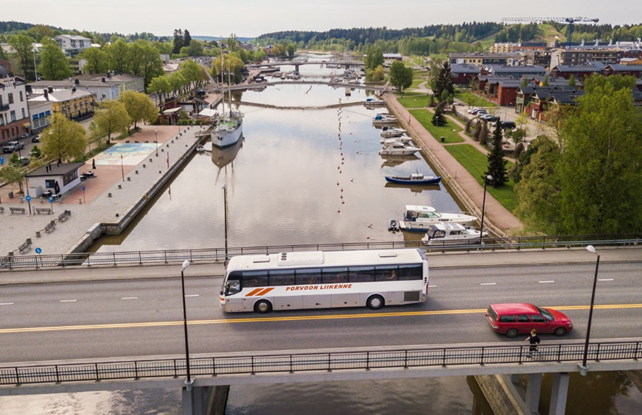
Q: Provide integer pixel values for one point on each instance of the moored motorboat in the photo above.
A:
(419, 218)
(373, 102)
(402, 139)
(384, 119)
(414, 178)
(390, 132)
(451, 234)
(398, 149)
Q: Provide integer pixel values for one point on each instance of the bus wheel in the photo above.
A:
(375, 302)
(263, 307)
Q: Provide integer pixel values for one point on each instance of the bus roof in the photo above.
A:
(326, 259)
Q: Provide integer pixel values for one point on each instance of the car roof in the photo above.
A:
(514, 308)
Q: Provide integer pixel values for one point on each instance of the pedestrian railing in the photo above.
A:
(316, 362)
(177, 256)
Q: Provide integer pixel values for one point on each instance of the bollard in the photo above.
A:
(80, 200)
(162, 150)
(120, 187)
(144, 166)
(129, 179)
(22, 199)
(136, 171)
(117, 215)
(37, 234)
(108, 194)
(160, 172)
(151, 161)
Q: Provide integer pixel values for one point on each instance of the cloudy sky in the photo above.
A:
(250, 18)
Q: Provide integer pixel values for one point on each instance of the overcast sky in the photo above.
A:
(249, 18)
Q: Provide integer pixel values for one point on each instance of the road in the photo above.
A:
(143, 317)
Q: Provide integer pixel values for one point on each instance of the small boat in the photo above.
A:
(403, 139)
(398, 149)
(373, 102)
(199, 149)
(419, 218)
(383, 119)
(451, 234)
(390, 132)
(414, 178)
(393, 225)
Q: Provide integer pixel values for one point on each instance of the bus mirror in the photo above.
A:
(222, 292)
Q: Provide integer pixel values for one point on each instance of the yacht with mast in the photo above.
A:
(229, 128)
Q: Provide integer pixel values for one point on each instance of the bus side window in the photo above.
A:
(410, 272)
(255, 279)
(281, 277)
(335, 275)
(233, 284)
(308, 276)
(361, 274)
(387, 273)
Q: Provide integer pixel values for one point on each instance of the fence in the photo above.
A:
(310, 362)
(177, 256)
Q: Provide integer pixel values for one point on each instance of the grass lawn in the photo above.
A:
(474, 100)
(410, 100)
(425, 118)
(416, 81)
(477, 163)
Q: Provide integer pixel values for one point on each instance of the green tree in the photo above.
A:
(112, 118)
(64, 139)
(444, 82)
(290, 50)
(176, 81)
(118, 53)
(438, 119)
(11, 174)
(161, 86)
(278, 50)
(600, 170)
(39, 31)
(400, 76)
(191, 72)
(545, 83)
(15, 161)
(139, 107)
(496, 162)
(179, 41)
(144, 60)
(35, 153)
(571, 80)
(23, 51)
(97, 60)
(195, 48)
(233, 42)
(259, 55)
(374, 58)
(376, 75)
(524, 81)
(54, 65)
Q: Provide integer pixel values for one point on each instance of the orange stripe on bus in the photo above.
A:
(267, 290)
(251, 293)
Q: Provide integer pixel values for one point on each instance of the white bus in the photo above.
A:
(309, 280)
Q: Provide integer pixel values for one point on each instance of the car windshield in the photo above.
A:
(547, 314)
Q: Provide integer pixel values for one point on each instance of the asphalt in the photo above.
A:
(143, 317)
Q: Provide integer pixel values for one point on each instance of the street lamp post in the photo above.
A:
(122, 167)
(481, 231)
(156, 141)
(188, 381)
(584, 367)
(224, 187)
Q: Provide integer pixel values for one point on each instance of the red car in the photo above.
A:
(521, 318)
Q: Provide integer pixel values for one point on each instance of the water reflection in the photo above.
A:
(221, 157)
(414, 188)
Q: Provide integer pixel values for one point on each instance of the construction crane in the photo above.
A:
(570, 21)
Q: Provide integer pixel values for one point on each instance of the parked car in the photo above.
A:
(13, 146)
(472, 110)
(35, 138)
(25, 161)
(480, 112)
(487, 117)
(521, 318)
(506, 125)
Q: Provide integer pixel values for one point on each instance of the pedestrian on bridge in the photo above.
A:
(534, 340)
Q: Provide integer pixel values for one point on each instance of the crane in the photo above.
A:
(568, 20)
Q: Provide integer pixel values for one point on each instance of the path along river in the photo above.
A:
(302, 176)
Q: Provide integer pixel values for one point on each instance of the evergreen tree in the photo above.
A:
(524, 81)
(179, 41)
(496, 162)
(438, 119)
(571, 80)
(187, 38)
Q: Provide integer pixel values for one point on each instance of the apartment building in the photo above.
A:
(14, 111)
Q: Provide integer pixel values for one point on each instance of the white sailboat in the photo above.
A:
(229, 128)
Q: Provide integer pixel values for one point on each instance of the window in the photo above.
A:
(21, 97)
(506, 319)
(538, 319)
(523, 319)
(491, 313)
(233, 284)
(388, 273)
(10, 98)
(334, 275)
(13, 116)
(361, 274)
(410, 272)
(23, 113)
(281, 277)
(308, 276)
(255, 279)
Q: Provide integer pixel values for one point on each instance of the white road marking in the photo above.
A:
(546, 282)
(488, 283)
(191, 295)
(432, 286)
(129, 298)
(6, 303)
(605, 279)
(68, 301)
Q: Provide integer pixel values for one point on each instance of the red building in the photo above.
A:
(502, 91)
(630, 70)
(579, 71)
(463, 73)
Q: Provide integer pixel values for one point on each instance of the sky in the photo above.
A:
(250, 18)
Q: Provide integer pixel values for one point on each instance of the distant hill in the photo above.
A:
(217, 38)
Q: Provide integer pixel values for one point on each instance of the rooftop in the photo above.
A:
(55, 169)
(62, 95)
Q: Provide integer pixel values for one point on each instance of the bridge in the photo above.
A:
(243, 87)
(95, 328)
(297, 64)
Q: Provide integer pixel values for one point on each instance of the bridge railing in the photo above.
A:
(177, 256)
(311, 362)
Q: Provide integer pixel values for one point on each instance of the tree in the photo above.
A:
(110, 118)
(234, 44)
(524, 82)
(54, 65)
(400, 76)
(600, 172)
(187, 38)
(278, 50)
(139, 107)
(35, 153)
(97, 60)
(23, 50)
(444, 82)
(233, 63)
(40, 31)
(15, 161)
(176, 81)
(374, 58)
(144, 60)
(496, 162)
(290, 49)
(118, 53)
(11, 174)
(190, 70)
(438, 119)
(64, 139)
(545, 83)
(375, 75)
(179, 41)
(259, 55)
(571, 81)
(195, 48)
(161, 86)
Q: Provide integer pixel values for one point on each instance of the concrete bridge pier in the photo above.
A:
(205, 400)
(296, 68)
(533, 388)
(559, 394)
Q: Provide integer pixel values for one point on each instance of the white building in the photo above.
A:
(106, 87)
(71, 44)
(56, 178)
(40, 114)
(14, 110)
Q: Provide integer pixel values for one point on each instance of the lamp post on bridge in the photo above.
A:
(584, 366)
(156, 140)
(188, 382)
(224, 187)
(481, 231)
